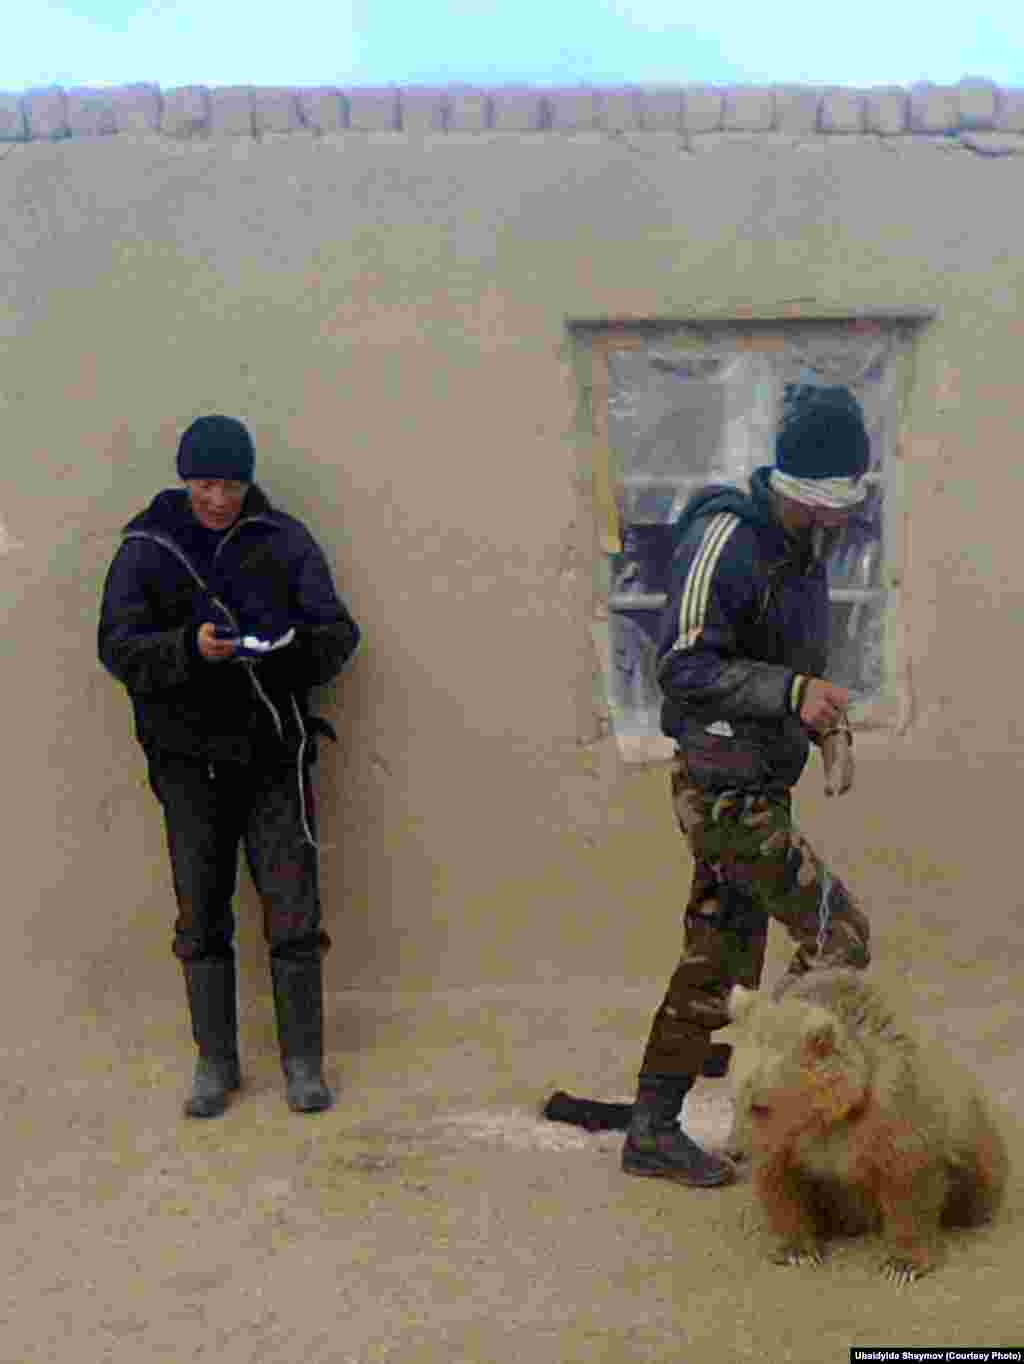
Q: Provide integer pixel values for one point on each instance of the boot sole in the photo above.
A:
(213, 1111)
(317, 1106)
(210, 1108)
(652, 1169)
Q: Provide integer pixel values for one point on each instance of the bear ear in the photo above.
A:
(741, 1001)
(819, 1034)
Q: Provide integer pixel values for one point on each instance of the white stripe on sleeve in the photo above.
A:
(696, 590)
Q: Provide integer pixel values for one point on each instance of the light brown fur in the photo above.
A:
(854, 1125)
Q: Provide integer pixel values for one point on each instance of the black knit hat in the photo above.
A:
(822, 434)
(216, 447)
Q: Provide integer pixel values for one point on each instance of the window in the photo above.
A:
(671, 409)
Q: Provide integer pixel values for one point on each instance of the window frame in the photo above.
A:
(887, 713)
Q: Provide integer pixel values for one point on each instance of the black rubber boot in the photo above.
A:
(213, 1005)
(299, 1005)
(656, 1145)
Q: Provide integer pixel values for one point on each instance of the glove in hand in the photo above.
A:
(837, 757)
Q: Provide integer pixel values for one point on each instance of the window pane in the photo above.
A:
(679, 418)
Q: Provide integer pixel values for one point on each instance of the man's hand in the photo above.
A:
(824, 711)
(211, 648)
(824, 705)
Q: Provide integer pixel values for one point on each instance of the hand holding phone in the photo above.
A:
(216, 643)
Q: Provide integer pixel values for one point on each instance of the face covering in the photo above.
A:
(835, 493)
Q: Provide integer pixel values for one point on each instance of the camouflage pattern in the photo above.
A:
(210, 809)
(750, 865)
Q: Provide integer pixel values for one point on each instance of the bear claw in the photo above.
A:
(805, 1259)
(901, 1272)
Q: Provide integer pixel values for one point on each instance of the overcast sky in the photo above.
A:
(367, 42)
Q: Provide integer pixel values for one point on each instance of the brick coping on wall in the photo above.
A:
(976, 114)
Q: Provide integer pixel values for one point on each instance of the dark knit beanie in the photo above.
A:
(822, 434)
(216, 447)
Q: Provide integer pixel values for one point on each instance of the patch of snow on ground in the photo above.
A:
(706, 1117)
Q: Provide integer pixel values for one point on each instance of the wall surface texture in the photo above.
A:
(381, 283)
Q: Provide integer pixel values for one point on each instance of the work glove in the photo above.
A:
(837, 757)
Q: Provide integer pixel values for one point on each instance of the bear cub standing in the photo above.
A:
(854, 1125)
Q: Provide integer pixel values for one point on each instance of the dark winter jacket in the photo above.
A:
(747, 616)
(261, 576)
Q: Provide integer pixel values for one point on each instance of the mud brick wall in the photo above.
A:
(387, 285)
(975, 114)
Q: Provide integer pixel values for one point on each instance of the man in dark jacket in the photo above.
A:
(742, 663)
(219, 615)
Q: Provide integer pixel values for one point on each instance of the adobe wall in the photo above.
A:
(379, 283)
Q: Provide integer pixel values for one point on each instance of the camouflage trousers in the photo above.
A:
(750, 865)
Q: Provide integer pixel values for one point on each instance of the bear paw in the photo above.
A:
(902, 1272)
(803, 1256)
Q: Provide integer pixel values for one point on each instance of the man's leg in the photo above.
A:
(285, 871)
(202, 840)
(752, 842)
(724, 943)
(815, 908)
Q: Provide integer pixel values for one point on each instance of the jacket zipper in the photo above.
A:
(221, 606)
(246, 521)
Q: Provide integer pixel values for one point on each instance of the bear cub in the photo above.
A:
(855, 1125)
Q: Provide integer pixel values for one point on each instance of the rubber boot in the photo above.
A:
(299, 1005)
(213, 1005)
(656, 1145)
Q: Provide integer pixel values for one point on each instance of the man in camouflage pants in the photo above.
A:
(741, 666)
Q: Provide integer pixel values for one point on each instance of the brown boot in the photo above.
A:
(656, 1145)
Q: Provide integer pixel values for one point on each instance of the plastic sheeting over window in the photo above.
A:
(678, 417)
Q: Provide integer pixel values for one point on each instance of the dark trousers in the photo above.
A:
(209, 810)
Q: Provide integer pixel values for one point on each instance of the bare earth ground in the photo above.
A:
(431, 1216)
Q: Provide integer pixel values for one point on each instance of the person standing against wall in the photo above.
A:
(206, 579)
(742, 668)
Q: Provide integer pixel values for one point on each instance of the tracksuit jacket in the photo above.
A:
(747, 620)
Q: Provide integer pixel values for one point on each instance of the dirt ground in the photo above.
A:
(431, 1216)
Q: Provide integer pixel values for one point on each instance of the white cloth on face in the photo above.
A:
(835, 493)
